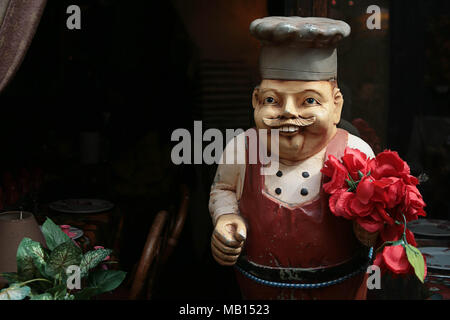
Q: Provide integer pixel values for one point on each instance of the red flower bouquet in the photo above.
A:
(380, 195)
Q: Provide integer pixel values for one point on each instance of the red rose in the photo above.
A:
(411, 180)
(389, 191)
(373, 222)
(413, 203)
(389, 164)
(395, 232)
(378, 194)
(338, 203)
(365, 190)
(393, 258)
(362, 203)
(337, 172)
(355, 160)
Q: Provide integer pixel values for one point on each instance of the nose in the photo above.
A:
(290, 109)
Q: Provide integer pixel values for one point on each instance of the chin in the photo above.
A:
(291, 146)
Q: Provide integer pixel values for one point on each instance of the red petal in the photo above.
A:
(396, 259)
(369, 224)
(365, 190)
(342, 204)
(360, 209)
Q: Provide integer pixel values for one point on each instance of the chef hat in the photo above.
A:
(295, 48)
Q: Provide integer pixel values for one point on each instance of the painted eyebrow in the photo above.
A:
(295, 93)
(269, 90)
(310, 90)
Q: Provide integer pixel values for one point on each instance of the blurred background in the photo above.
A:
(90, 112)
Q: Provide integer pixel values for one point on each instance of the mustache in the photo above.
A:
(299, 122)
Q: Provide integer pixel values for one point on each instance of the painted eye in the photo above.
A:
(311, 101)
(269, 100)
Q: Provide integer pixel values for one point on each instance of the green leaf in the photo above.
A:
(53, 234)
(61, 294)
(44, 296)
(15, 292)
(86, 293)
(106, 280)
(350, 177)
(58, 290)
(352, 185)
(360, 174)
(416, 260)
(92, 258)
(25, 263)
(63, 256)
(31, 249)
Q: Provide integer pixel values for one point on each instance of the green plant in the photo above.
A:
(42, 272)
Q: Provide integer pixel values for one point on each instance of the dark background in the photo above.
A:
(137, 70)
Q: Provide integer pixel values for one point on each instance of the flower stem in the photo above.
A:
(33, 280)
(404, 229)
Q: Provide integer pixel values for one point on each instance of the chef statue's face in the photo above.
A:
(305, 112)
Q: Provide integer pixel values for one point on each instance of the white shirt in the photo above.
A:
(285, 187)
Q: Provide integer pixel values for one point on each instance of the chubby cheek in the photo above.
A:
(264, 112)
(322, 123)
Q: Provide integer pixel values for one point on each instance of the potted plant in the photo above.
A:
(59, 271)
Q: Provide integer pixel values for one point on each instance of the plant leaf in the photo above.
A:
(44, 296)
(106, 280)
(15, 292)
(416, 260)
(69, 297)
(63, 256)
(360, 174)
(92, 258)
(60, 294)
(57, 290)
(86, 293)
(25, 263)
(53, 234)
(31, 249)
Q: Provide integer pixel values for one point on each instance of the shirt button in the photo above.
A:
(305, 174)
(279, 174)
(304, 192)
(278, 191)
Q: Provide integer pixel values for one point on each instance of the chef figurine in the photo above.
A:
(277, 230)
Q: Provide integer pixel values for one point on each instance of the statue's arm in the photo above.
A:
(230, 230)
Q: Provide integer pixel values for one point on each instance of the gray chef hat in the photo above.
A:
(295, 48)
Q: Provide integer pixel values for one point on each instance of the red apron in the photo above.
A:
(305, 236)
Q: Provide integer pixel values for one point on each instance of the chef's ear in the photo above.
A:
(338, 103)
(255, 97)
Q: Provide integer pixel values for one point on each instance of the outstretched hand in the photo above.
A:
(228, 239)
